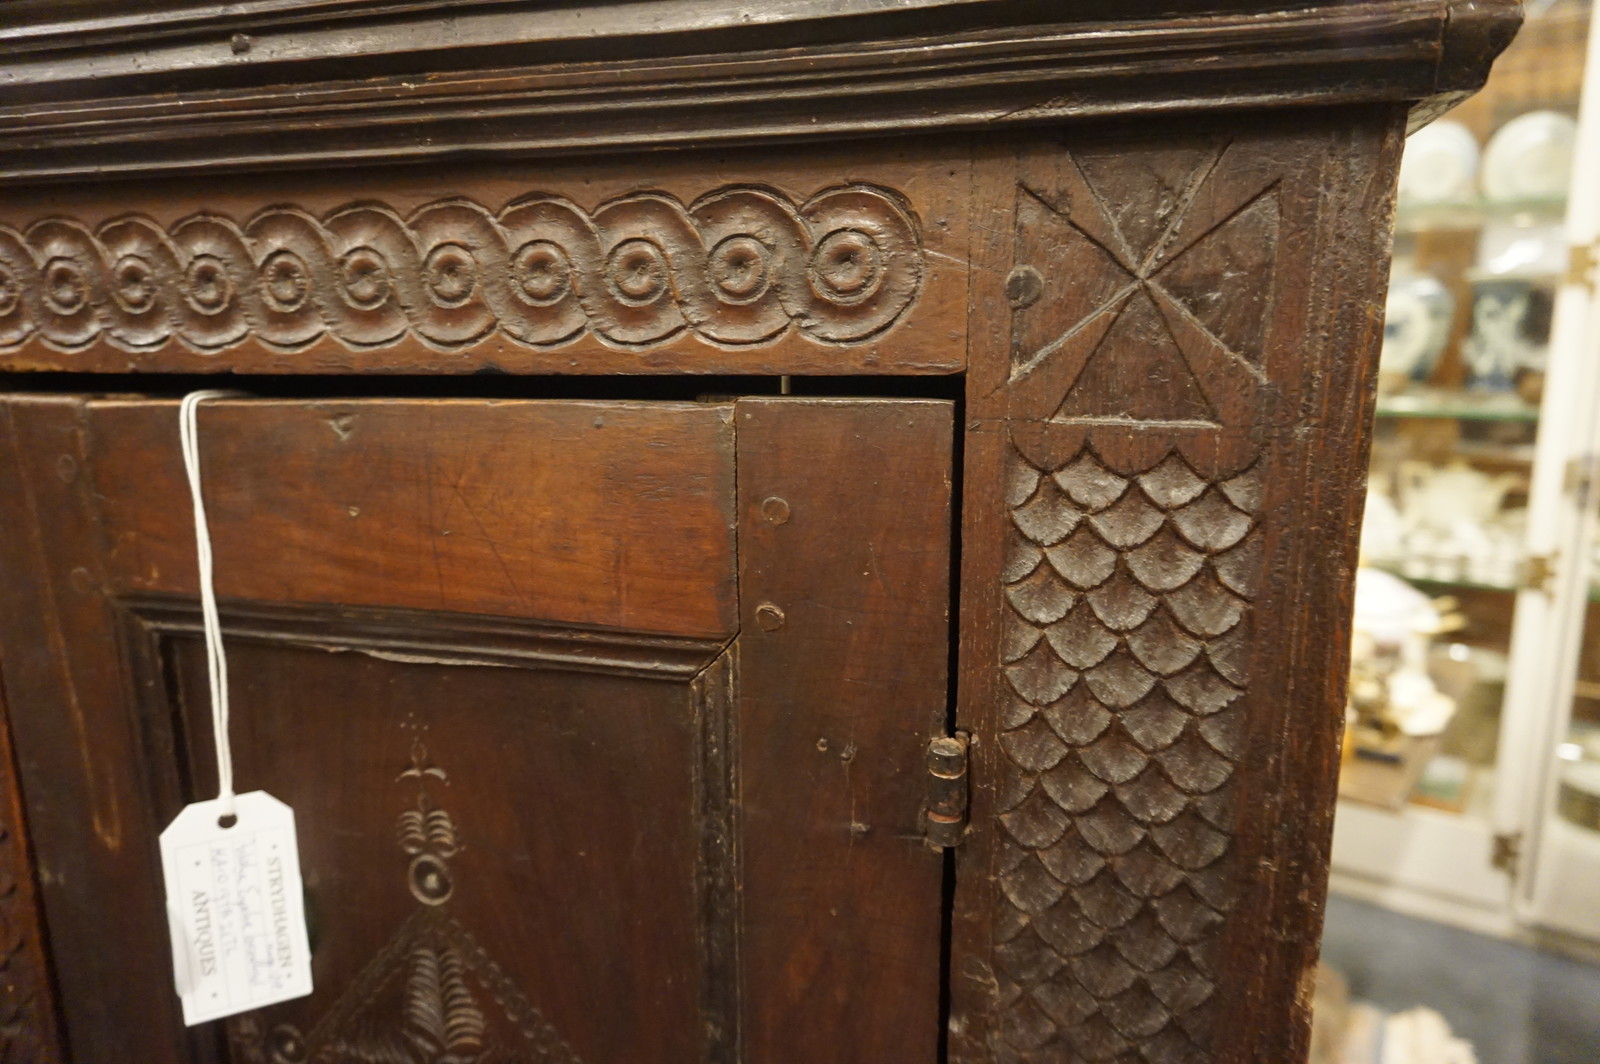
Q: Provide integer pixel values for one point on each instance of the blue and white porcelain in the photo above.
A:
(1416, 326)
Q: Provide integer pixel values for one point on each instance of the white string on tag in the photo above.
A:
(235, 897)
(216, 658)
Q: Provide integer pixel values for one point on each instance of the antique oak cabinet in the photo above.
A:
(766, 532)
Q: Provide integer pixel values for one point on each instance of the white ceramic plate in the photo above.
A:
(1530, 157)
(1439, 164)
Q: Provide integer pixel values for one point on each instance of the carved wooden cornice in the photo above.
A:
(294, 82)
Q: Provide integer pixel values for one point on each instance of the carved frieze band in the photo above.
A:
(739, 266)
(1134, 495)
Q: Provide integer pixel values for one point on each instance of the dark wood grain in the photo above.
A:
(844, 601)
(80, 752)
(403, 770)
(588, 513)
(102, 736)
(1157, 716)
(179, 90)
(29, 1023)
(510, 807)
(609, 719)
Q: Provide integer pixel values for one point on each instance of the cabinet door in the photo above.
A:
(603, 722)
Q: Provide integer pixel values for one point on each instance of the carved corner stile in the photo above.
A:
(1190, 335)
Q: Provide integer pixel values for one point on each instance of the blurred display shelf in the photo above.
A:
(1474, 214)
(1435, 586)
(1516, 453)
(1458, 405)
(1489, 848)
(1407, 847)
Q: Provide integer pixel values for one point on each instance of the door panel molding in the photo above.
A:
(434, 637)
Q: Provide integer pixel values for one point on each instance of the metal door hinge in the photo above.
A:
(1507, 855)
(1583, 264)
(1537, 572)
(945, 817)
(1580, 478)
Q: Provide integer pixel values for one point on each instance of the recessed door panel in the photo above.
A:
(603, 723)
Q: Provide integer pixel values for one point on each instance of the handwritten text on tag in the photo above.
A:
(235, 908)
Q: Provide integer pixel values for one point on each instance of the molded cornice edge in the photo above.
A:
(278, 83)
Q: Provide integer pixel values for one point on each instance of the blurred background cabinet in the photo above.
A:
(1471, 782)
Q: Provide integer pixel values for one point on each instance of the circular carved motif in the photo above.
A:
(286, 1044)
(847, 266)
(451, 274)
(285, 281)
(10, 292)
(365, 277)
(430, 880)
(738, 265)
(207, 286)
(133, 284)
(636, 272)
(541, 272)
(66, 289)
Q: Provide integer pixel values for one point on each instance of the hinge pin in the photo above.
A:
(1537, 573)
(945, 819)
(1507, 854)
(1583, 264)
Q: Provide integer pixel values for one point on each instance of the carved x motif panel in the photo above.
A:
(1151, 285)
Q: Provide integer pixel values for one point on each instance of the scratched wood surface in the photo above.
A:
(78, 759)
(590, 513)
(28, 1018)
(842, 651)
(511, 806)
(1164, 460)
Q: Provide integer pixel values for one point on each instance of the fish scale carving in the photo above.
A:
(1125, 652)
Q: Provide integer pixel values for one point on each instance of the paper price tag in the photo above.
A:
(235, 908)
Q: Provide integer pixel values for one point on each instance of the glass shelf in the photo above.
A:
(1473, 214)
(1434, 587)
(1458, 406)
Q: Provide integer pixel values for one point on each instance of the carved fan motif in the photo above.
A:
(432, 995)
